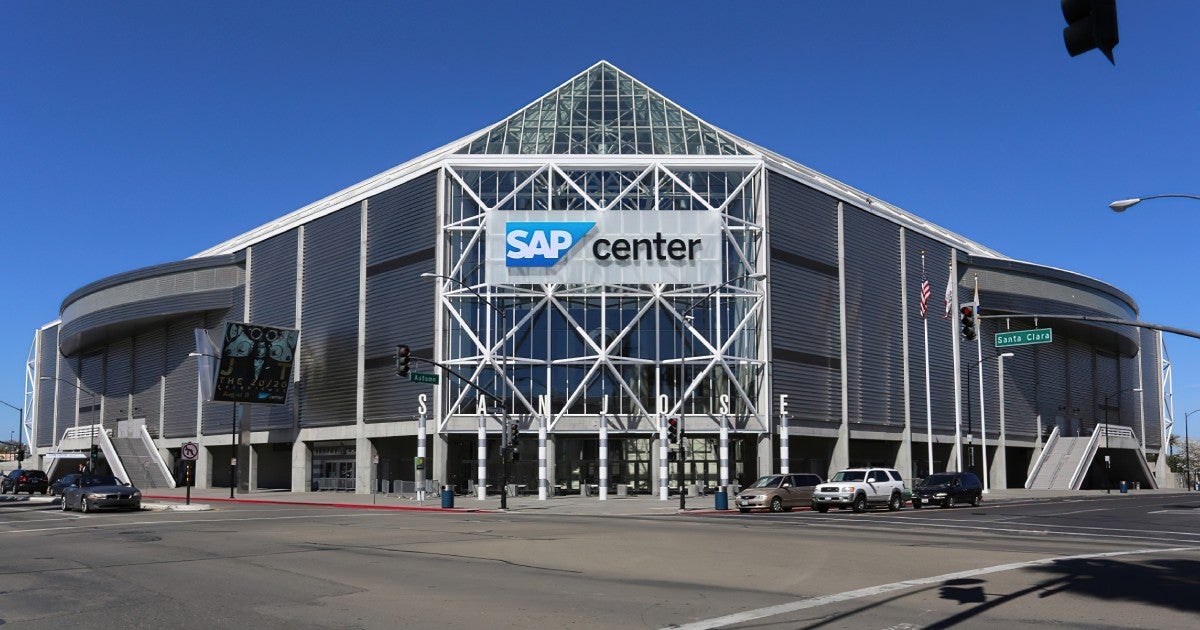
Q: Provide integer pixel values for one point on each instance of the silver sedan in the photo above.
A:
(93, 492)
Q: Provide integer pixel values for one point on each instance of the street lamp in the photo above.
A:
(1187, 451)
(687, 318)
(505, 446)
(1108, 455)
(92, 432)
(983, 427)
(20, 439)
(1121, 205)
(233, 433)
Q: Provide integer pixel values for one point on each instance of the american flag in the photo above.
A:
(925, 293)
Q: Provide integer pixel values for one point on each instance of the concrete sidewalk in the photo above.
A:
(568, 504)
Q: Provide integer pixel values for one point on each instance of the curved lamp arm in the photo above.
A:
(1121, 205)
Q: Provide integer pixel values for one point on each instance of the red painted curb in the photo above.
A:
(352, 506)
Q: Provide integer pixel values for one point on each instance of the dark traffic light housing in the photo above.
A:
(969, 322)
(514, 432)
(402, 360)
(672, 430)
(1090, 24)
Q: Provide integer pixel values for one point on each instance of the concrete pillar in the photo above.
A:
(301, 467)
(364, 465)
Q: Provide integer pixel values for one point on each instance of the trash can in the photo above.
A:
(447, 497)
(1124, 487)
(722, 498)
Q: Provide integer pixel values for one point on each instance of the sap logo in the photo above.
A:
(541, 243)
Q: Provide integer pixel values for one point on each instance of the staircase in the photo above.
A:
(140, 464)
(1059, 463)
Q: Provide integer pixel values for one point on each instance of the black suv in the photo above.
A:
(948, 489)
(24, 480)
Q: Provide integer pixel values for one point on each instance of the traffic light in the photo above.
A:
(968, 323)
(401, 360)
(514, 432)
(672, 430)
(1090, 24)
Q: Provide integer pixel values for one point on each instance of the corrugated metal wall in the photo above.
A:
(402, 227)
(1152, 388)
(47, 366)
(273, 303)
(805, 337)
(150, 350)
(179, 410)
(329, 339)
(118, 381)
(874, 324)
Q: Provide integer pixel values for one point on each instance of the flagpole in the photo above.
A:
(928, 398)
(982, 414)
(952, 294)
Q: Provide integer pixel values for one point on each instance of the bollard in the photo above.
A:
(1124, 487)
(722, 498)
(447, 497)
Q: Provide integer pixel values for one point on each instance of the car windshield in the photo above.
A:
(849, 475)
(101, 480)
(938, 480)
(771, 481)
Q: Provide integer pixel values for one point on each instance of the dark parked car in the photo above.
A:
(24, 480)
(948, 490)
(100, 491)
(56, 486)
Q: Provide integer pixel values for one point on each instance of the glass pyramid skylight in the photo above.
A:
(604, 111)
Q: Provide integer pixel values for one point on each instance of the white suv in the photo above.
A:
(859, 488)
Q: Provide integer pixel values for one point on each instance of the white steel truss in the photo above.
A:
(580, 344)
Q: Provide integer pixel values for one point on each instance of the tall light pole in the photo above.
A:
(233, 433)
(970, 366)
(92, 431)
(505, 446)
(1187, 450)
(20, 439)
(686, 316)
(1108, 455)
(1121, 205)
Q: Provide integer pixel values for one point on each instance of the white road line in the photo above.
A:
(814, 602)
(90, 525)
(1041, 528)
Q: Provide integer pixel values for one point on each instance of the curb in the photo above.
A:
(352, 506)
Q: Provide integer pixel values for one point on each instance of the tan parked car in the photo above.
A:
(778, 492)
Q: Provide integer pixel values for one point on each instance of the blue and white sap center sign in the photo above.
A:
(610, 247)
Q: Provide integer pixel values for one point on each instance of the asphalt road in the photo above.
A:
(1122, 561)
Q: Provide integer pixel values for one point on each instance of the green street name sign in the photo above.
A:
(420, 377)
(1024, 337)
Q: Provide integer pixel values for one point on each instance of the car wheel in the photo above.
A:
(950, 502)
(84, 506)
(744, 510)
(776, 504)
(64, 505)
(916, 505)
(860, 503)
(895, 503)
(822, 508)
(976, 500)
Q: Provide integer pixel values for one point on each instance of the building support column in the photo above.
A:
(301, 466)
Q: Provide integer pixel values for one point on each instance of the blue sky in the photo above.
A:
(136, 133)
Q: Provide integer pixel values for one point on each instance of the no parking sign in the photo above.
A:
(189, 451)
